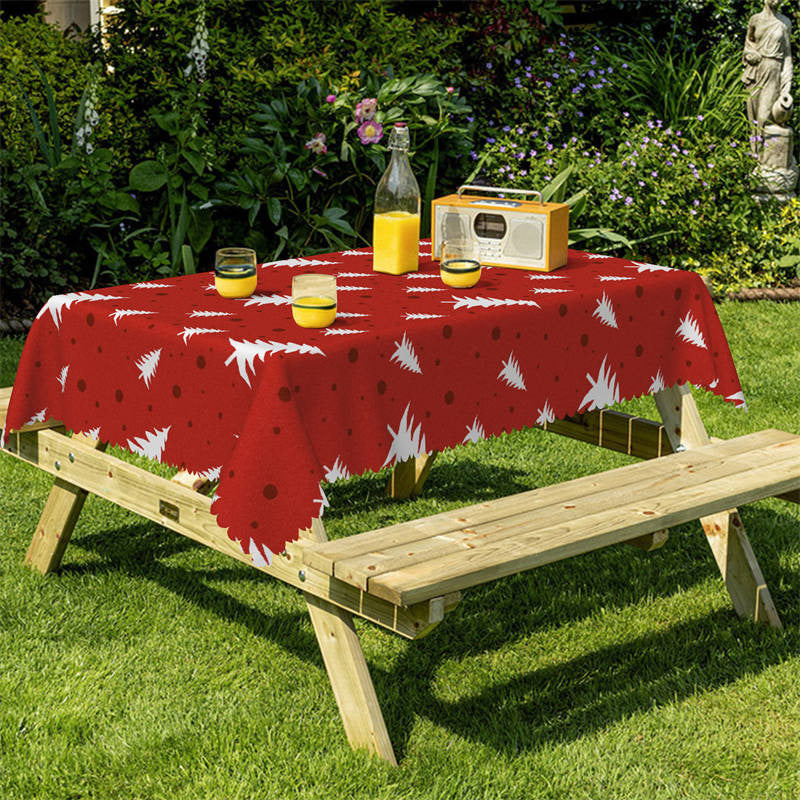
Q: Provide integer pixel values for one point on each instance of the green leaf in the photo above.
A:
(188, 260)
(196, 160)
(148, 176)
(120, 201)
(789, 261)
(556, 189)
(55, 134)
(253, 213)
(200, 228)
(179, 233)
(274, 210)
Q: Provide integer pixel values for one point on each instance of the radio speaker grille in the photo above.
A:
(526, 238)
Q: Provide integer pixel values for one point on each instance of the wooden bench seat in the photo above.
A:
(425, 558)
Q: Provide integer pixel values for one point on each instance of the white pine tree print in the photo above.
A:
(604, 390)
(353, 288)
(605, 278)
(187, 333)
(258, 554)
(642, 267)
(355, 274)
(119, 313)
(298, 262)
(58, 302)
(605, 312)
(713, 384)
(415, 276)
(39, 416)
(211, 314)
(151, 285)
(405, 355)
(407, 441)
(62, 377)
(689, 331)
(488, 302)
(599, 255)
(146, 364)
(341, 331)
(415, 289)
(355, 252)
(538, 277)
(548, 290)
(246, 352)
(269, 300)
(337, 472)
(152, 444)
(93, 433)
(323, 502)
(512, 374)
(350, 314)
(546, 414)
(211, 474)
(423, 316)
(738, 399)
(475, 432)
(657, 383)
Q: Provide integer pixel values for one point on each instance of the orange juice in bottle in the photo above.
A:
(395, 232)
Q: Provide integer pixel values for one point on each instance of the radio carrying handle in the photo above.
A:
(501, 190)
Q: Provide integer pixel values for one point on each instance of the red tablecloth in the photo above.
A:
(234, 389)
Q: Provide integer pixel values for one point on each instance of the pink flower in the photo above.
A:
(319, 172)
(370, 132)
(317, 144)
(331, 98)
(450, 89)
(365, 110)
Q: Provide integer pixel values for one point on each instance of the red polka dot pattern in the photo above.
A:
(233, 388)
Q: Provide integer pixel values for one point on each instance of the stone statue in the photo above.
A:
(768, 75)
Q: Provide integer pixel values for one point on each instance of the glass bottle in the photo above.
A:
(395, 231)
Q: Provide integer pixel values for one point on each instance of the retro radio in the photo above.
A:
(522, 234)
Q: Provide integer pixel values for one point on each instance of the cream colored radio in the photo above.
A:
(521, 234)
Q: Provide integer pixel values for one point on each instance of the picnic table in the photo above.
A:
(256, 413)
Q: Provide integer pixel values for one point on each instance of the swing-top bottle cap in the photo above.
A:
(401, 124)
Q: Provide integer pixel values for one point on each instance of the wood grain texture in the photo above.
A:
(54, 529)
(409, 476)
(348, 672)
(462, 527)
(724, 530)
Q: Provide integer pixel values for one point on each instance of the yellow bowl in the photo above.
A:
(460, 274)
(314, 312)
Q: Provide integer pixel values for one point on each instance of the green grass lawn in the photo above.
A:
(151, 667)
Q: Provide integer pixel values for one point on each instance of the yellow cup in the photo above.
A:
(314, 300)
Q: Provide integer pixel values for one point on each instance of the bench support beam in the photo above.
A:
(348, 672)
(725, 532)
(61, 511)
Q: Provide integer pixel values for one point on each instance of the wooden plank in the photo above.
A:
(724, 531)
(409, 476)
(615, 430)
(61, 512)
(533, 545)
(611, 489)
(190, 515)
(790, 497)
(411, 533)
(349, 674)
(650, 541)
(193, 481)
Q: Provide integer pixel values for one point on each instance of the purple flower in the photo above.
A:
(331, 98)
(520, 155)
(506, 128)
(473, 155)
(502, 148)
(591, 73)
(490, 140)
(571, 54)
(449, 89)
(547, 84)
(641, 183)
(365, 110)
(625, 66)
(470, 119)
(549, 161)
(579, 113)
(625, 114)
(523, 172)
(628, 201)
(317, 144)
(488, 65)
(533, 153)
(520, 131)
(700, 117)
(319, 172)
(370, 132)
(654, 174)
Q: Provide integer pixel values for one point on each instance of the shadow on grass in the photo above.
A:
(564, 701)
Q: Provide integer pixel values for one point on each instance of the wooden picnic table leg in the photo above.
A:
(61, 512)
(409, 476)
(348, 671)
(725, 532)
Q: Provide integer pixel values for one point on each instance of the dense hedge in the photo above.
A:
(197, 124)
